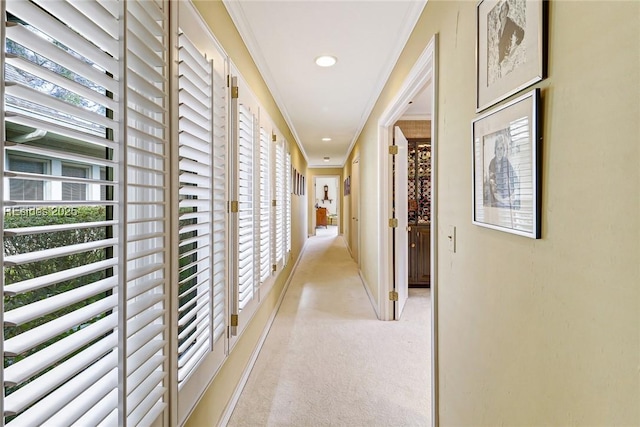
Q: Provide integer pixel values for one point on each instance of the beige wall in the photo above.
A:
(537, 332)
(216, 398)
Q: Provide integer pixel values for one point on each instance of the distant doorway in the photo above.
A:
(327, 215)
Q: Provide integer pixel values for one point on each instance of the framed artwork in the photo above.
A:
(506, 167)
(302, 185)
(347, 186)
(294, 182)
(510, 48)
(298, 186)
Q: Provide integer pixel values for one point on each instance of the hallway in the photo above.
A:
(328, 361)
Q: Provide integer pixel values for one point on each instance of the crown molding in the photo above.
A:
(236, 12)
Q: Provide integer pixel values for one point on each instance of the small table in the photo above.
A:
(333, 219)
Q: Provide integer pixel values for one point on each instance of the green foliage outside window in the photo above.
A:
(36, 242)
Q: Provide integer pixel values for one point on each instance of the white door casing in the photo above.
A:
(355, 211)
(423, 74)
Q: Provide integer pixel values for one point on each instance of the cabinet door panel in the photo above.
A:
(423, 261)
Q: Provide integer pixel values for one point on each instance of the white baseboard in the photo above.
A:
(374, 303)
(346, 243)
(228, 410)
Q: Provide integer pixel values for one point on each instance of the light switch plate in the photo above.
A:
(451, 237)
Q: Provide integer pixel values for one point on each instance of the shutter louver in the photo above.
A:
(62, 79)
(246, 199)
(195, 207)
(147, 165)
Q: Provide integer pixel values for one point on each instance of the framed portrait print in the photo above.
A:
(505, 164)
(510, 48)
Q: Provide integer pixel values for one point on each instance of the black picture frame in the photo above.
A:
(506, 166)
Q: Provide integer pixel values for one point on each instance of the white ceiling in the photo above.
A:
(285, 37)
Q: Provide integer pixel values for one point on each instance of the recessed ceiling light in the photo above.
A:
(326, 60)
(326, 139)
(326, 159)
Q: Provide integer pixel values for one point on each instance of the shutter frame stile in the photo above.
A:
(3, 24)
(233, 222)
(121, 155)
(173, 418)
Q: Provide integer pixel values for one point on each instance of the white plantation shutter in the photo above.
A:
(279, 187)
(201, 132)
(147, 53)
(195, 207)
(264, 217)
(61, 270)
(220, 178)
(246, 199)
(287, 205)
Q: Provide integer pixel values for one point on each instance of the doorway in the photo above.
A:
(422, 80)
(326, 219)
(355, 211)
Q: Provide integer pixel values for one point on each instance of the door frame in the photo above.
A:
(424, 73)
(355, 208)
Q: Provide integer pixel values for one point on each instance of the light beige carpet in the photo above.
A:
(328, 361)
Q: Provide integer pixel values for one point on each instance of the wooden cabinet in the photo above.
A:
(419, 256)
(419, 188)
(321, 217)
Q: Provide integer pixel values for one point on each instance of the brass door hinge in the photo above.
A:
(234, 92)
(273, 137)
(274, 268)
(393, 296)
(393, 149)
(234, 206)
(273, 203)
(234, 320)
(393, 222)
